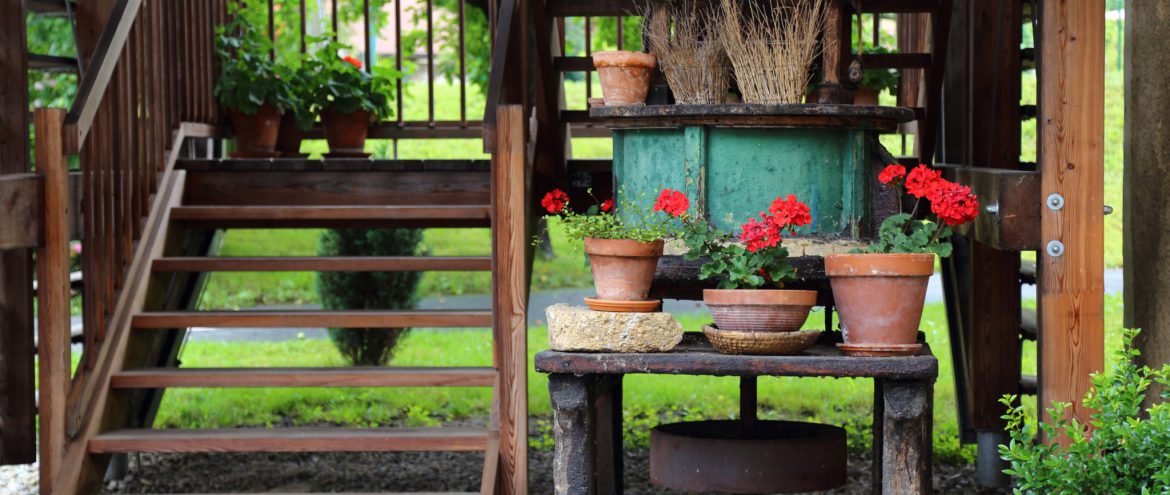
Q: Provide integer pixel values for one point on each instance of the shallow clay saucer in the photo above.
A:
(879, 350)
(651, 306)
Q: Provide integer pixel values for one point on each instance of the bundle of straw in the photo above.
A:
(691, 55)
(771, 46)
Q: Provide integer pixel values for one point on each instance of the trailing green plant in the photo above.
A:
(951, 204)
(344, 86)
(760, 261)
(368, 290)
(248, 78)
(300, 78)
(600, 221)
(1124, 448)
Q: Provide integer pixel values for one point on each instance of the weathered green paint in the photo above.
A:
(732, 173)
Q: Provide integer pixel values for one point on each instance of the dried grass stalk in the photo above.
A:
(691, 55)
(771, 46)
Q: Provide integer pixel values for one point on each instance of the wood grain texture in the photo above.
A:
(304, 377)
(312, 319)
(1072, 164)
(20, 210)
(324, 264)
(289, 216)
(292, 440)
(338, 188)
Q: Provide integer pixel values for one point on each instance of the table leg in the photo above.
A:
(575, 432)
(906, 437)
(879, 414)
(607, 404)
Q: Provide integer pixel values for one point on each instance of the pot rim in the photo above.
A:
(623, 58)
(623, 247)
(879, 265)
(759, 297)
(263, 111)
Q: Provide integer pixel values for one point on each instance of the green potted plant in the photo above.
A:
(752, 272)
(879, 292)
(622, 255)
(249, 87)
(350, 98)
(874, 81)
(302, 109)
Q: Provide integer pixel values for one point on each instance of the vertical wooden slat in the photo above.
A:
(588, 53)
(398, 59)
(1072, 108)
(367, 41)
(271, 29)
(620, 37)
(462, 64)
(430, 63)
(53, 291)
(304, 26)
(333, 11)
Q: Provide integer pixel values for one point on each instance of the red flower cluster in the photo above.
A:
(789, 213)
(353, 61)
(922, 181)
(892, 174)
(674, 203)
(783, 214)
(555, 201)
(760, 235)
(953, 204)
(607, 206)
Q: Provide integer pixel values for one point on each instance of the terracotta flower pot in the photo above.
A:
(622, 269)
(866, 95)
(879, 297)
(255, 134)
(625, 76)
(288, 141)
(759, 310)
(346, 132)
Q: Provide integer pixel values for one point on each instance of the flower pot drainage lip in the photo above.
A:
(745, 457)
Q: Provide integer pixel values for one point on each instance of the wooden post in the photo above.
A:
(1072, 107)
(53, 291)
(510, 286)
(17, 402)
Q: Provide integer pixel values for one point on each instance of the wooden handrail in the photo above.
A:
(92, 89)
(499, 71)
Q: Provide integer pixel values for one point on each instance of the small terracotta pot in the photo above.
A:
(759, 310)
(622, 269)
(346, 132)
(288, 142)
(255, 134)
(866, 95)
(625, 76)
(879, 297)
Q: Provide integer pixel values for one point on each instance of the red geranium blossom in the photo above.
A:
(353, 61)
(789, 212)
(953, 203)
(607, 206)
(892, 174)
(555, 201)
(922, 181)
(760, 235)
(674, 203)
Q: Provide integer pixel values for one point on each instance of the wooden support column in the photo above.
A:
(17, 402)
(1072, 107)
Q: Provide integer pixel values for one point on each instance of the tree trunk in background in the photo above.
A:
(1147, 178)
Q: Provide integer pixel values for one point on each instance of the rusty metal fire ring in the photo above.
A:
(748, 456)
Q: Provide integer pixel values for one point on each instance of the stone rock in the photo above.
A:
(575, 328)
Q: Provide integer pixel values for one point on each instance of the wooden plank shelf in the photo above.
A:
(313, 319)
(305, 377)
(323, 264)
(291, 440)
(753, 115)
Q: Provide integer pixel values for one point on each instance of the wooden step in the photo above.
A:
(332, 165)
(1029, 324)
(1028, 272)
(49, 7)
(321, 439)
(279, 216)
(305, 377)
(313, 319)
(51, 63)
(1029, 384)
(324, 264)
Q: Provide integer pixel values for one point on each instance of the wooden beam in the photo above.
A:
(1010, 218)
(17, 378)
(1072, 108)
(20, 210)
(92, 87)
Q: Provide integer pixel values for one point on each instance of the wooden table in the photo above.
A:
(586, 393)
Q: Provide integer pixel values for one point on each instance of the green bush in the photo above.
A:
(368, 290)
(1125, 448)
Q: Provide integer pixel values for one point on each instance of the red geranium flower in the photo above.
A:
(892, 174)
(674, 203)
(607, 206)
(789, 212)
(555, 201)
(353, 61)
(922, 181)
(760, 235)
(953, 204)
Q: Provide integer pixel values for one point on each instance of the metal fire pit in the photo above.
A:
(747, 456)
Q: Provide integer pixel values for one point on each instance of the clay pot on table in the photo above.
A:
(255, 134)
(866, 95)
(623, 269)
(625, 76)
(346, 132)
(288, 141)
(759, 310)
(879, 297)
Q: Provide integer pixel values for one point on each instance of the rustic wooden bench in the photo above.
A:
(586, 393)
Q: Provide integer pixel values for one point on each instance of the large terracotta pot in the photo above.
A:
(288, 142)
(879, 297)
(622, 269)
(759, 310)
(866, 95)
(625, 76)
(255, 134)
(346, 132)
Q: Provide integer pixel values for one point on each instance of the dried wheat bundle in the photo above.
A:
(691, 55)
(771, 46)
